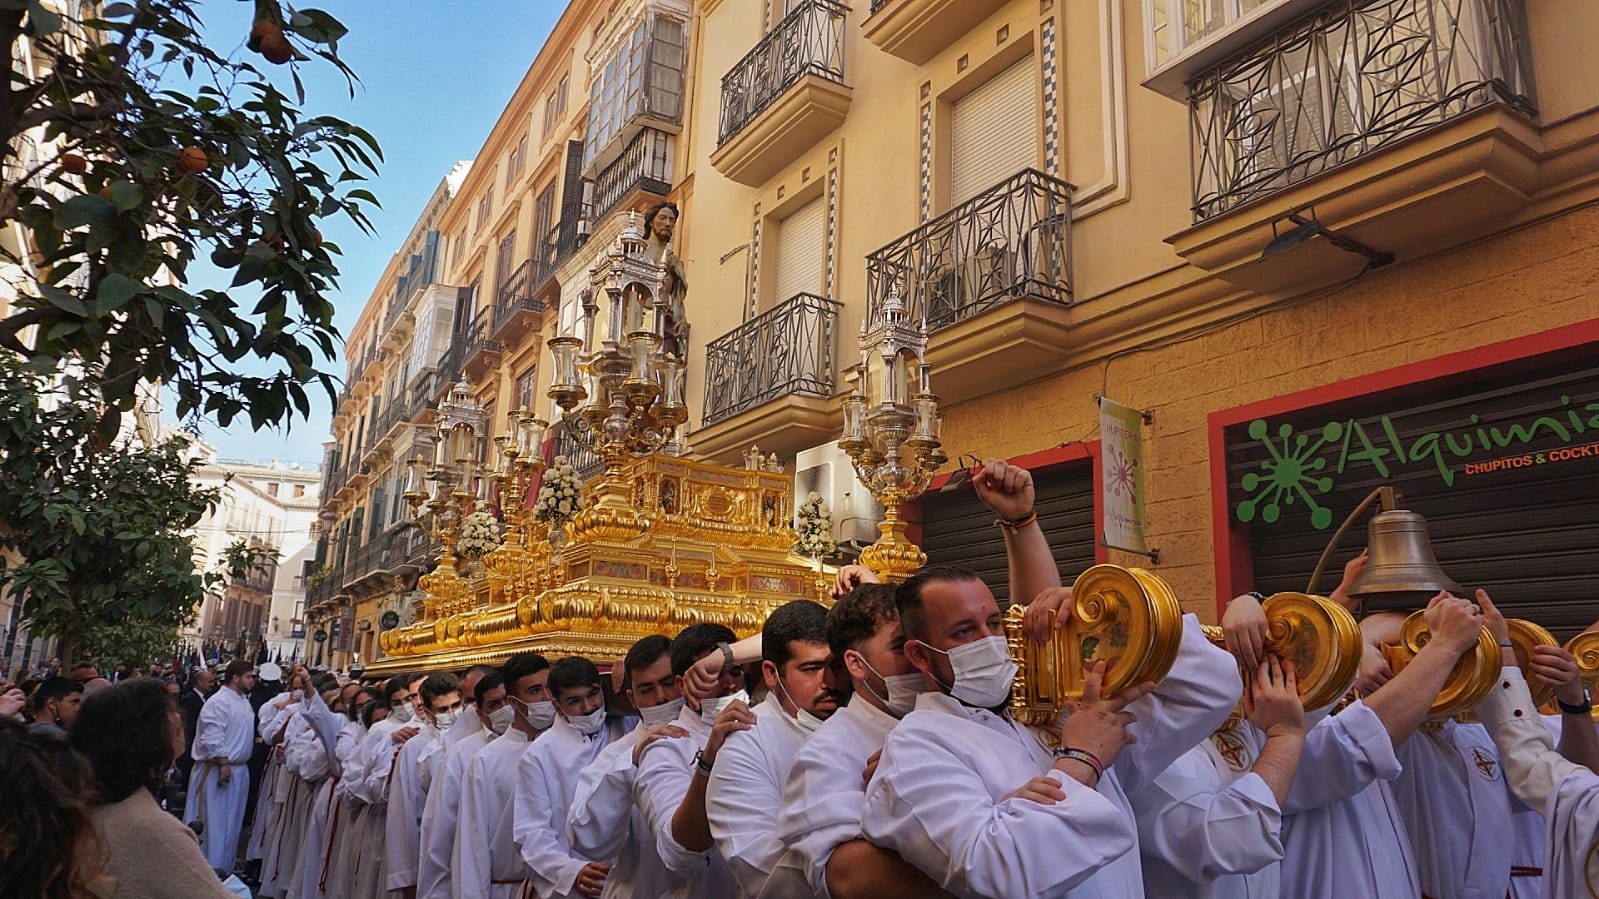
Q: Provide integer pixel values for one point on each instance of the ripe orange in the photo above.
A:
(259, 32)
(192, 160)
(74, 163)
(276, 49)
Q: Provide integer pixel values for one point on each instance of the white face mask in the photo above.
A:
(806, 721)
(590, 724)
(500, 719)
(541, 714)
(444, 720)
(983, 671)
(665, 713)
(403, 712)
(710, 708)
(902, 690)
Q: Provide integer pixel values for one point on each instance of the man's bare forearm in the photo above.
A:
(1278, 761)
(691, 828)
(1032, 565)
(1406, 701)
(862, 870)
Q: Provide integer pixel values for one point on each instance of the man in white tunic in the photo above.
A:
(604, 822)
(820, 819)
(307, 760)
(442, 812)
(745, 792)
(219, 787)
(548, 775)
(441, 705)
(335, 732)
(1562, 782)
(378, 751)
(487, 864)
(1453, 798)
(672, 773)
(979, 803)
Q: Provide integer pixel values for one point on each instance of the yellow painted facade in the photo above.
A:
(1157, 288)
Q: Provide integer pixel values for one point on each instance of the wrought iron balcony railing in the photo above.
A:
(477, 336)
(789, 349)
(450, 366)
(1353, 78)
(424, 389)
(809, 41)
(516, 296)
(1008, 242)
(583, 459)
(645, 164)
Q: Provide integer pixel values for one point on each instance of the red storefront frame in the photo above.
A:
(1234, 564)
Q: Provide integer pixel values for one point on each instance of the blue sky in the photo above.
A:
(435, 76)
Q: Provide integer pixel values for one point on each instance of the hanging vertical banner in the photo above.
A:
(1122, 476)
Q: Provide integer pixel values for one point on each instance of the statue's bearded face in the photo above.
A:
(664, 224)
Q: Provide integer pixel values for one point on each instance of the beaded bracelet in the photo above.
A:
(1016, 524)
(1084, 756)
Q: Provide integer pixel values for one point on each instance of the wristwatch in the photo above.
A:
(1583, 708)
(727, 656)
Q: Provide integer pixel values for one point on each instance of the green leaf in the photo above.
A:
(63, 300)
(116, 10)
(318, 27)
(116, 290)
(84, 209)
(126, 195)
(42, 21)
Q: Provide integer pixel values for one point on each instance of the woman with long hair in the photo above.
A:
(130, 733)
(47, 840)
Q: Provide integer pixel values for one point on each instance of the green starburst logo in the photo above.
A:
(1291, 473)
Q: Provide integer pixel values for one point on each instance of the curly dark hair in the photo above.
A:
(855, 619)
(655, 210)
(48, 844)
(126, 733)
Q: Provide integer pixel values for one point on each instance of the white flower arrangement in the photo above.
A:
(480, 534)
(815, 528)
(561, 495)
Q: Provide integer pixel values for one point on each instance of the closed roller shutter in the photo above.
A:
(957, 529)
(993, 132)
(799, 252)
(1527, 532)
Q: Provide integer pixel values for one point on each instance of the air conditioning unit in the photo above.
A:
(827, 470)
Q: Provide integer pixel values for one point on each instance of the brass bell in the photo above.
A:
(1401, 570)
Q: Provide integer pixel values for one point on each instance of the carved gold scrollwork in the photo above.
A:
(1527, 635)
(1126, 615)
(1585, 647)
(1472, 678)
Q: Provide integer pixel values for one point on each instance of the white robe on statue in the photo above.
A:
(442, 813)
(826, 789)
(546, 779)
(745, 796)
(1567, 792)
(664, 774)
(486, 861)
(938, 798)
(604, 822)
(402, 843)
(224, 736)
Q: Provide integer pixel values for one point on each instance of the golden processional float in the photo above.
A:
(659, 541)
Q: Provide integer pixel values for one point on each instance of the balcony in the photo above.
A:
(482, 352)
(916, 30)
(645, 166)
(771, 380)
(1404, 124)
(424, 391)
(992, 279)
(785, 95)
(449, 372)
(516, 312)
